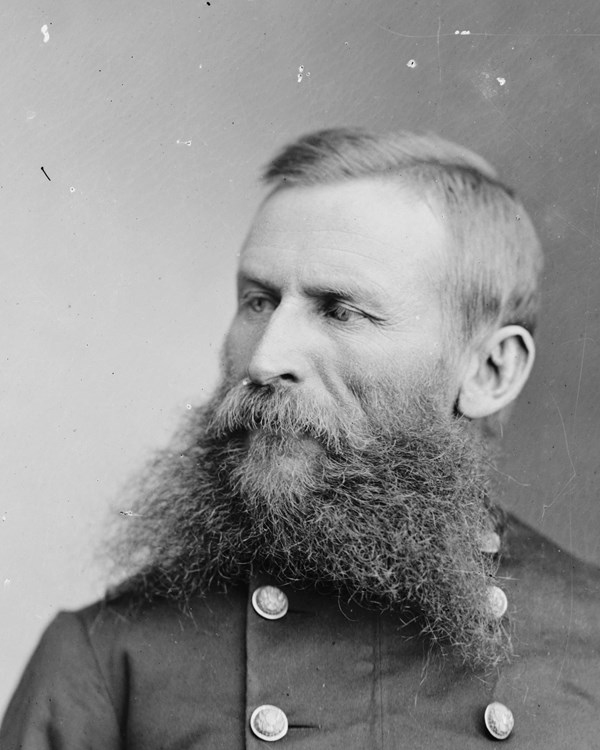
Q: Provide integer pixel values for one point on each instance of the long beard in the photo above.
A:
(386, 503)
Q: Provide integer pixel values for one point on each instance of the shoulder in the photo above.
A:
(554, 615)
(548, 580)
(159, 630)
(154, 654)
(119, 664)
(125, 615)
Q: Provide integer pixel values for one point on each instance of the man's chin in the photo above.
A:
(283, 457)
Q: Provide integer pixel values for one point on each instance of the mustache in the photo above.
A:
(284, 412)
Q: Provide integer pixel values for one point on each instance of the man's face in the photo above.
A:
(339, 284)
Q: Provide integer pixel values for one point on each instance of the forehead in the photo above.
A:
(367, 231)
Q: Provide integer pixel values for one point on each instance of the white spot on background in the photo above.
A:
(183, 143)
(300, 73)
(72, 189)
(44, 31)
(462, 33)
(411, 64)
(30, 114)
(188, 406)
(489, 85)
(6, 584)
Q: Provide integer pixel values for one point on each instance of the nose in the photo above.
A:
(282, 351)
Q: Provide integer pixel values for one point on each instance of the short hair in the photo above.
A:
(493, 273)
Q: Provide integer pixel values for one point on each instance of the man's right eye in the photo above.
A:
(258, 304)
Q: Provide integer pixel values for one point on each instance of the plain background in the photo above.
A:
(151, 119)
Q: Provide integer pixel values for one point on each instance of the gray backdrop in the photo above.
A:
(151, 119)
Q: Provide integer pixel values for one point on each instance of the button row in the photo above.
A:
(269, 723)
(499, 719)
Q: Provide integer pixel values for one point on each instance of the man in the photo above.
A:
(317, 559)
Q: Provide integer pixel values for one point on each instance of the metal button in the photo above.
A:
(499, 720)
(497, 601)
(269, 723)
(490, 542)
(270, 602)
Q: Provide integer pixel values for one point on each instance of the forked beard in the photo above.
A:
(386, 503)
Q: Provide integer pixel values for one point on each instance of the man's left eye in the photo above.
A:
(343, 314)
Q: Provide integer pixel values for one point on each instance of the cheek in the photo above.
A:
(239, 346)
(393, 365)
(236, 350)
(346, 372)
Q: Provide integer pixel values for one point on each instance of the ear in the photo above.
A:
(496, 371)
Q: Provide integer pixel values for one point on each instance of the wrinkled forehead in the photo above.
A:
(367, 229)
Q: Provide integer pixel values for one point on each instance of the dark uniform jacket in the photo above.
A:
(345, 678)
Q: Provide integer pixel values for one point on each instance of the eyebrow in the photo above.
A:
(345, 292)
(251, 278)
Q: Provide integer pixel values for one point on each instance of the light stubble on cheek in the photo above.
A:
(236, 351)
